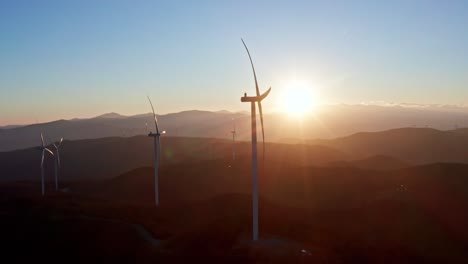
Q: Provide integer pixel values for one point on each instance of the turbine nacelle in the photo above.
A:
(151, 134)
(233, 131)
(57, 146)
(255, 98)
(44, 150)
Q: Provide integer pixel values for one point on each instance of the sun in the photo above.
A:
(299, 99)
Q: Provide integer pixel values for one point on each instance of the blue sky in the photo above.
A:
(65, 59)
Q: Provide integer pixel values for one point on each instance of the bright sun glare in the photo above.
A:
(299, 99)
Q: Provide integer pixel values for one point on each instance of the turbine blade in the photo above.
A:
(42, 140)
(264, 95)
(60, 143)
(51, 153)
(154, 115)
(260, 111)
(253, 69)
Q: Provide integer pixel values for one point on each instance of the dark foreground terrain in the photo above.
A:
(307, 215)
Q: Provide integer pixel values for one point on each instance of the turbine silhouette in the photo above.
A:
(157, 151)
(234, 135)
(44, 150)
(255, 99)
(57, 161)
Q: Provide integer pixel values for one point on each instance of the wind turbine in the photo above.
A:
(234, 134)
(44, 150)
(252, 100)
(157, 150)
(57, 162)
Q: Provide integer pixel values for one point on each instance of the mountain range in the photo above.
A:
(386, 150)
(328, 122)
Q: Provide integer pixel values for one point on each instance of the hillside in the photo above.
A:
(377, 162)
(109, 157)
(414, 145)
(337, 215)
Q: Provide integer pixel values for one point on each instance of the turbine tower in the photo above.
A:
(157, 149)
(234, 134)
(57, 162)
(44, 150)
(252, 100)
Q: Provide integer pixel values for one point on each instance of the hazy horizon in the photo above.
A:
(388, 105)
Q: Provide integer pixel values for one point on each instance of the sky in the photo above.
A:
(67, 59)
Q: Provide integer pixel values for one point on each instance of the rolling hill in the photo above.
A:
(109, 157)
(339, 215)
(414, 145)
(376, 162)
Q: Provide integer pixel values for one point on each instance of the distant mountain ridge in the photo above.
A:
(111, 115)
(327, 123)
(193, 123)
(11, 126)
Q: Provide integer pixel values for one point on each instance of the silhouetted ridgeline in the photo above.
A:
(415, 145)
(328, 122)
(109, 157)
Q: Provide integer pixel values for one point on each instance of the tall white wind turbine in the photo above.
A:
(234, 135)
(157, 151)
(44, 150)
(57, 161)
(255, 99)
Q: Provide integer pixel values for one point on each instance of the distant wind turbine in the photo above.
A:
(234, 134)
(44, 150)
(255, 99)
(57, 161)
(157, 151)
